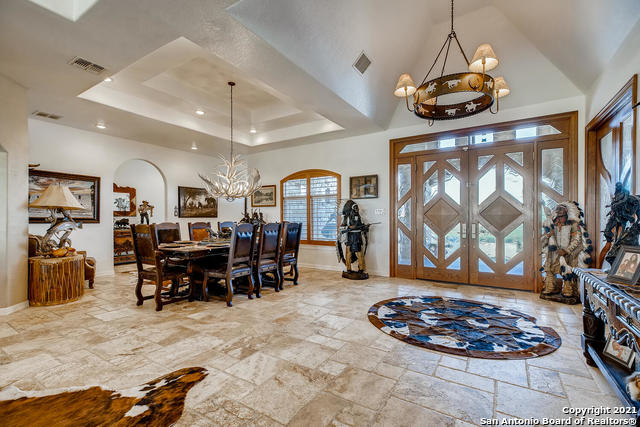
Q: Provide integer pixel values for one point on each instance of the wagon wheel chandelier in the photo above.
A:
(234, 179)
(429, 98)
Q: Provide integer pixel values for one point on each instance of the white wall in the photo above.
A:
(149, 184)
(14, 140)
(64, 149)
(369, 154)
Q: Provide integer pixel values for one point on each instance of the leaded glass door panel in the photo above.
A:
(501, 231)
(442, 211)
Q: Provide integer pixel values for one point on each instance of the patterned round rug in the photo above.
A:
(464, 327)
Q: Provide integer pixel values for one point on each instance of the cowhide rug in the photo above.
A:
(464, 327)
(157, 403)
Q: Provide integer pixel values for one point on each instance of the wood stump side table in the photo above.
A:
(55, 281)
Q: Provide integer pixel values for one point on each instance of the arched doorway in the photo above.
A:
(134, 182)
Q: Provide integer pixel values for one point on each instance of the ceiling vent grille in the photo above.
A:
(46, 115)
(86, 65)
(362, 63)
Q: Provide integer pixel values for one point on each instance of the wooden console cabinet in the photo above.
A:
(123, 246)
(606, 305)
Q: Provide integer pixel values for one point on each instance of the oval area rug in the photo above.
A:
(463, 327)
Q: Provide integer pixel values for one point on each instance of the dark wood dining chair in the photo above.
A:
(268, 256)
(290, 250)
(239, 262)
(224, 224)
(167, 232)
(199, 231)
(153, 267)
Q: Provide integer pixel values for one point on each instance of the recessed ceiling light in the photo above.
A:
(101, 125)
(194, 146)
(200, 112)
(252, 130)
(108, 80)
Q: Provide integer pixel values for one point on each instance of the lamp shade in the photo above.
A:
(501, 87)
(57, 196)
(484, 52)
(405, 86)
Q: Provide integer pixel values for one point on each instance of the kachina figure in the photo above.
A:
(565, 246)
(146, 210)
(353, 234)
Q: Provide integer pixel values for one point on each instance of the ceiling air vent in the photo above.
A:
(362, 63)
(46, 115)
(86, 65)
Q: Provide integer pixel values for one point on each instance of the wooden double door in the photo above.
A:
(475, 214)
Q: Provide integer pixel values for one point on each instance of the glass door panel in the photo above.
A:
(501, 199)
(442, 210)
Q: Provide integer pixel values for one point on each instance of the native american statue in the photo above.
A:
(623, 225)
(354, 235)
(565, 246)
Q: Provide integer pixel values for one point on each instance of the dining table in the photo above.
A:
(190, 252)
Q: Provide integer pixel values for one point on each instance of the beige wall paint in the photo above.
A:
(15, 141)
(65, 149)
(369, 154)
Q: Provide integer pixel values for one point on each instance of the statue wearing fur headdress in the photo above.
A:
(565, 246)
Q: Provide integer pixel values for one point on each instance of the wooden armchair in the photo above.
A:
(153, 267)
(199, 231)
(241, 249)
(268, 256)
(290, 249)
(167, 232)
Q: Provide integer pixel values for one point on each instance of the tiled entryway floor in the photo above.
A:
(305, 356)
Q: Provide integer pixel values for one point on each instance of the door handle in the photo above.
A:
(464, 230)
(473, 231)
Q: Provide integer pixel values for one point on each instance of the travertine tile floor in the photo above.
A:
(306, 356)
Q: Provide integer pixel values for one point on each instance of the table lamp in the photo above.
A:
(59, 200)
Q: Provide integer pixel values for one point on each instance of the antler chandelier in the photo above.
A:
(428, 97)
(234, 179)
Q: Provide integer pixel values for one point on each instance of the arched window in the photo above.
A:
(311, 197)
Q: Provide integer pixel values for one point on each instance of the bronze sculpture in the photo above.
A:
(145, 209)
(623, 226)
(565, 245)
(354, 234)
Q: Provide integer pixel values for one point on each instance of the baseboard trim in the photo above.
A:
(338, 267)
(12, 309)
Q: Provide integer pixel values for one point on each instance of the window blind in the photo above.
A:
(312, 198)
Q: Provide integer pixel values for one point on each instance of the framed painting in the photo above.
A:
(363, 187)
(85, 188)
(264, 197)
(619, 353)
(196, 203)
(124, 201)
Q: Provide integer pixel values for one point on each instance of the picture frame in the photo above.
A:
(124, 201)
(195, 202)
(264, 197)
(363, 187)
(626, 267)
(622, 355)
(85, 188)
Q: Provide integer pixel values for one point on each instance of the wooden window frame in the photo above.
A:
(620, 104)
(308, 174)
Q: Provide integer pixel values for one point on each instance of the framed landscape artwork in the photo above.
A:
(264, 197)
(363, 187)
(196, 203)
(124, 201)
(85, 188)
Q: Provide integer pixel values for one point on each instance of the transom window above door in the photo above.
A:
(519, 133)
(311, 197)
